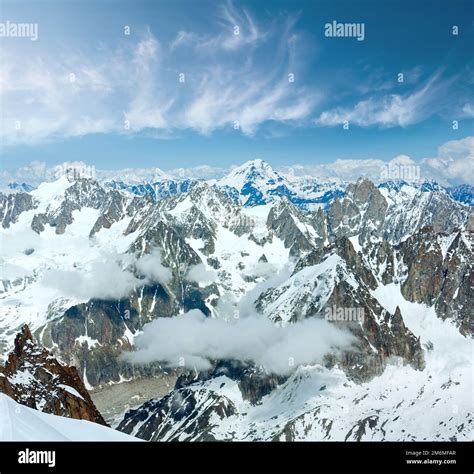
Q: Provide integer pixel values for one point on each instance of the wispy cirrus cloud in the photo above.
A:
(468, 110)
(391, 110)
(146, 84)
(245, 32)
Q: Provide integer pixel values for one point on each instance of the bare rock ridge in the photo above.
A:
(33, 377)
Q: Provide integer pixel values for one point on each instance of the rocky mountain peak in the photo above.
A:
(291, 226)
(35, 378)
(253, 169)
(12, 205)
(255, 181)
(23, 341)
(362, 189)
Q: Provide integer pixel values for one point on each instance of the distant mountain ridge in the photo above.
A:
(257, 183)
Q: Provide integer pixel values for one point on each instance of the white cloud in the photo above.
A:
(345, 170)
(201, 275)
(199, 172)
(108, 277)
(391, 110)
(193, 339)
(150, 267)
(468, 110)
(454, 163)
(10, 271)
(262, 269)
(237, 30)
(103, 280)
(135, 87)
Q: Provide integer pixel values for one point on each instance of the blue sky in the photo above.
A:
(86, 91)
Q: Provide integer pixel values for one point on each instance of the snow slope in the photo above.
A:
(20, 423)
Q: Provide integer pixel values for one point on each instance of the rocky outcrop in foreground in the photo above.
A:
(33, 377)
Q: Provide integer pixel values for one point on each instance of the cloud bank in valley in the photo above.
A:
(192, 340)
(113, 277)
(102, 280)
(201, 275)
(150, 267)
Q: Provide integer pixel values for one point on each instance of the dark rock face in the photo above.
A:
(440, 272)
(432, 265)
(362, 211)
(320, 224)
(432, 268)
(39, 222)
(470, 222)
(425, 275)
(157, 420)
(113, 209)
(33, 377)
(365, 212)
(456, 298)
(192, 409)
(380, 337)
(435, 210)
(253, 383)
(283, 220)
(381, 258)
(12, 205)
(92, 335)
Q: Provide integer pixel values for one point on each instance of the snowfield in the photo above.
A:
(20, 423)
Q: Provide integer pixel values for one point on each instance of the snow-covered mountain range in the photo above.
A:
(101, 269)
(252, 183)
